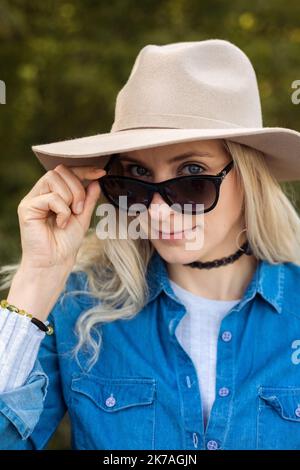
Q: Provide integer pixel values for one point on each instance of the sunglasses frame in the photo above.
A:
(160, 187)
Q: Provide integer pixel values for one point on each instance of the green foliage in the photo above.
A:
(64, 62)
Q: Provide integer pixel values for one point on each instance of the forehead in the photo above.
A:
(202, 148)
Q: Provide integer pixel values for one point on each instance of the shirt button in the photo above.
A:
(297, 411)
(226, 336)
(223, 392)
(212, 445)
(110, 401)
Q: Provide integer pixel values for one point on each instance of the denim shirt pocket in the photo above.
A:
(278, 420)
(112, 413)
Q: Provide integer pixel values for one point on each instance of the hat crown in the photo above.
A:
(199, 84)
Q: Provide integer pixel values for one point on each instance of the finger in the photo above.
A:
(66, 182)
(86, 172)
(92, 195)
(75, 186)
(52, 182)
(74, 177)
(39, 207)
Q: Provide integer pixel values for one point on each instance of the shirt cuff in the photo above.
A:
(23, 406)
(19, 345)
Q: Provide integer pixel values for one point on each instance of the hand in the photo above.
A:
(55, 215)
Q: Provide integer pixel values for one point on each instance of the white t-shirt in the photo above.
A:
(197, 332)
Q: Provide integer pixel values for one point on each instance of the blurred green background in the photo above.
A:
(64, 62)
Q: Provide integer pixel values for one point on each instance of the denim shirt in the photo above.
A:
(143, 392)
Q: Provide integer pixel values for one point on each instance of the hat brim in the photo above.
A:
(280, 145)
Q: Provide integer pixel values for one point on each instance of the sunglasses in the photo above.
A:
(185, 193)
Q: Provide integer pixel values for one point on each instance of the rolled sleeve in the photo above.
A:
(24, 405)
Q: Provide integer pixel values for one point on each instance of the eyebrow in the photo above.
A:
(173, 159)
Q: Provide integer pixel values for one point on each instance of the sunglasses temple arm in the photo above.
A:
(110, 162)
(225, 170)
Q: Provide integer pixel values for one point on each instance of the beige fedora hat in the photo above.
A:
(182, 92)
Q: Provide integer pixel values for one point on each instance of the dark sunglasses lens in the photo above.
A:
(192, 192)
(124, 193)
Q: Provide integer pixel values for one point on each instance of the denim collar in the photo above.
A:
(267, 280)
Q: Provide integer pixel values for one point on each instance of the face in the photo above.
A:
(217, 229)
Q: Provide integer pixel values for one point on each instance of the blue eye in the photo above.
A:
(193, 169)
(140, 170)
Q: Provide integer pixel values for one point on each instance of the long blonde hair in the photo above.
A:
(116, 268)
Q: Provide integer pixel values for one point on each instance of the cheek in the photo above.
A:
(228, 210)
(231, 196)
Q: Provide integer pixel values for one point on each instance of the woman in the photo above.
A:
(157, 344)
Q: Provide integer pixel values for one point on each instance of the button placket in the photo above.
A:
(219, 415)
(188, 381)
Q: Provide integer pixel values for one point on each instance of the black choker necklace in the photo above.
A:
(245, 248)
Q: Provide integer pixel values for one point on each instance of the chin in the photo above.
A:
(178, 254)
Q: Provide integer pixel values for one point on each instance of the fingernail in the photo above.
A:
(79, 207)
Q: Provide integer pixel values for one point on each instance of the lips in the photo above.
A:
(173, 233)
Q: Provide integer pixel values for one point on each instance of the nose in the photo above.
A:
(159, 209)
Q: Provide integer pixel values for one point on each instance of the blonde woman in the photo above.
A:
(147, 342)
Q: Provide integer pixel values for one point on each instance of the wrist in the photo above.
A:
(36, 290)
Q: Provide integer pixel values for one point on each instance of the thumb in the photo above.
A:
(92, 195)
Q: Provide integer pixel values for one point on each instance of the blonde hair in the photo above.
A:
(116, 269)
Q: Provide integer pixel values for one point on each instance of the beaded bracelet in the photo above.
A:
(48, 329)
